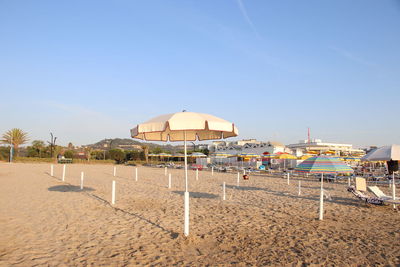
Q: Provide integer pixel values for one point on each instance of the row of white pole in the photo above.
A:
(64, 171)
(169, 180)
(113, 182)
(186, 195)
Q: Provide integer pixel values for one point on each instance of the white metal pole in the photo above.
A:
(244, 172)
(169, 181)
(212, 171)
(223, 192)
(115, 170)
(394, 190)
(186, 200)
(113, 193)
(299, 187)
(321, 200)
(348, 181)
(197, 174)
(136, 174)
(186, 171)
(82, 180)
(238, 179)
(63, 174)
(52, 170)
(186, 215)
(165, 171)
(288, 178)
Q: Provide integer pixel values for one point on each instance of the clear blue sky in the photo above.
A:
(87, 70)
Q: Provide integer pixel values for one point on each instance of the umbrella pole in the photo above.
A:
(186, 200)
(186, 172)
(321, 200)
(394, 190)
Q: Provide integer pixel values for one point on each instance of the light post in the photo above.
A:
(11, 148)
(104, 151)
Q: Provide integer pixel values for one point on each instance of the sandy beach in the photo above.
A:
(47, 222)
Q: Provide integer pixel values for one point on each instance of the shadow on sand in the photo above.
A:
(335, 199)
(197, 194)
(69, 188)
(173, 234)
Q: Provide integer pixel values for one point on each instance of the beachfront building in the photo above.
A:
(316, 146)
(248, 146)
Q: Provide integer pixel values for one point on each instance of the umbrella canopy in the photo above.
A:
(184, 126)
(248, 155)
(269, 156)
(323, 164)
(164, 155)
(351, 158)
(220, 155)
(198, 155)
(174, 127)
(286, 156)
(178, 155)
(305, 157)
(384, 153)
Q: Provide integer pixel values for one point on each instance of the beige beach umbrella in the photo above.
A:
(184, 126)
(390, 154)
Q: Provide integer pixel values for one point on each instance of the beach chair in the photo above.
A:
(378, 193)
(360, 191)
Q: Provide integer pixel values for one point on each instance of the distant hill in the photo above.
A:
(130, 144)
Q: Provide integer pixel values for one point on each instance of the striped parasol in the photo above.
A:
(323, 164)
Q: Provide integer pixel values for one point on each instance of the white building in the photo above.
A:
(316, 145)
(254, 147)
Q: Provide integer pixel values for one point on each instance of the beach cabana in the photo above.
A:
(184, 126)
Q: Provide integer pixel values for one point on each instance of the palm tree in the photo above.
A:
(16, 137)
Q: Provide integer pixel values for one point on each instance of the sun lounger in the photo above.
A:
(360, 192)
(378, 193)
(364, 197)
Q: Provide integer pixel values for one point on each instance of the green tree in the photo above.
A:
(132, 155)
(146, 152)
(4, 153)
(69, 154)
(70, 146)
(205, 151)
(157, 150)
(88, 152)
(118, 155)
(16, 137)
(99, 154)
(32, 152)
(38, 146)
